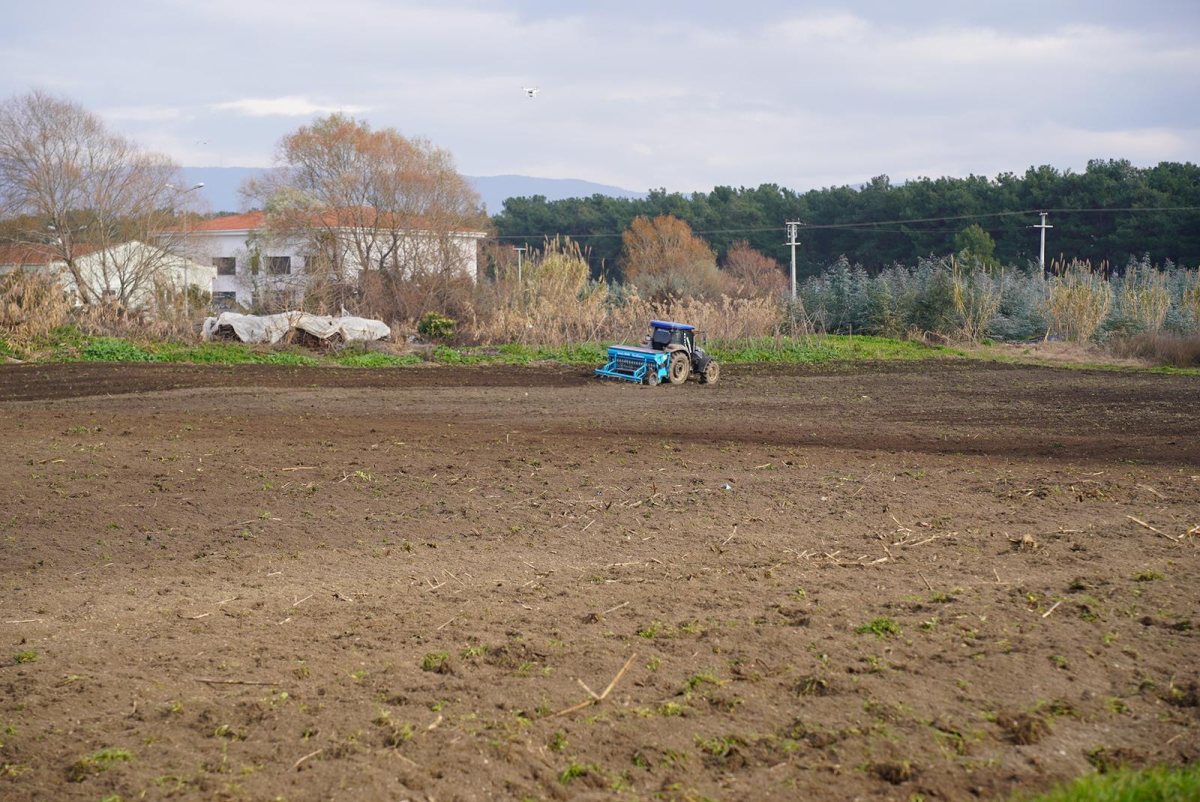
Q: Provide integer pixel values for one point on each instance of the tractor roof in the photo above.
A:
(665, 324)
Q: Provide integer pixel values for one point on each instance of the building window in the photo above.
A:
(225, 265)
(279, 265)
(224, 301)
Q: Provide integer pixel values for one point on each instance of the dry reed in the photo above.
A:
(1078, 300)
(556, 303)
(1144, 298)
(1189, 297)
(31, 305)
(976, 300)
(1178, 351)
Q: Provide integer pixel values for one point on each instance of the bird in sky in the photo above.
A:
(531, 91)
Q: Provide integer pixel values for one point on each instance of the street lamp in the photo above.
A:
(186, 305)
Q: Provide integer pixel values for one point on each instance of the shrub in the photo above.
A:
(1020, 314)
(436, 327)
(753, 274)
(932, 307)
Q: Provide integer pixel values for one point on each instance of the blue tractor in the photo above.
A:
(669, 353)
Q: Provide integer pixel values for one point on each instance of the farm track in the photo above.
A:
(321, 583)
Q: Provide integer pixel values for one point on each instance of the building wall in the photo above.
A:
(131, 262)
(241, 288)
(244, 284)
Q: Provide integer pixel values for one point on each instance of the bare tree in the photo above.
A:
(79, 192)
(379, 215)
(752, 273)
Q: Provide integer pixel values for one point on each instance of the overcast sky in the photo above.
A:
(638, 94)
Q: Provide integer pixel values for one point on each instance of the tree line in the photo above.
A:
(756, 215)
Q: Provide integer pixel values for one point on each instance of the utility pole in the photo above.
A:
(1042, 252)
(793, 230)
(520, 252)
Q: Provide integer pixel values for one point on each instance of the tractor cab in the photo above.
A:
(664, 334)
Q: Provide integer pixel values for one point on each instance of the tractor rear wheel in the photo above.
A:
(680, 368)
(712, 372)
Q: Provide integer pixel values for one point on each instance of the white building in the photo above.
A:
(252, 266)
(130, 272)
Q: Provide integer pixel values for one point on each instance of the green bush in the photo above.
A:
(436, 327)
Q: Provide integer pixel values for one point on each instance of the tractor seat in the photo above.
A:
(661, 339)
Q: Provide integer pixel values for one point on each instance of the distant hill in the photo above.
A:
(221, 186)
(495, 189)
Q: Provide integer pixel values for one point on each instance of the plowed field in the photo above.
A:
(953, 579)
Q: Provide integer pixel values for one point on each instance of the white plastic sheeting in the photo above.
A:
(273, 328)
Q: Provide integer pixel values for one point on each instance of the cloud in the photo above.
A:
(797, 93)
(839, 27)
(289, 106)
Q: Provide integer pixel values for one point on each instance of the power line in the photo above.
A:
(873, 226)
(1001, 214)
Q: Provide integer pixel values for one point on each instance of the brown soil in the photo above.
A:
(875, 583)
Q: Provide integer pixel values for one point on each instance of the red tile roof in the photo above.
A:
(249, 221)
(234, 222)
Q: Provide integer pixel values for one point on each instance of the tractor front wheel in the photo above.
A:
(711, 373)
(680, 368)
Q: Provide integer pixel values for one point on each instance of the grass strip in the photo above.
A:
(67, 344)
(1156, 784)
